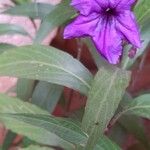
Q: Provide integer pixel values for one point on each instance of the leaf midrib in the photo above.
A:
(46, 122)
(107, 93)
(104, 99)
(136, 107)
(50, 65)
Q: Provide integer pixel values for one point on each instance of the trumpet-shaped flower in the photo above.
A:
(108, 23)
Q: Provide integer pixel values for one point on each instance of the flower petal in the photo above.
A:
(126, 24)
(81, 26)
(103, 3)
(108, 41)
(85, 7)
(123, 4)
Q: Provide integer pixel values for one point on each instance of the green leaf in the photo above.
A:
(139, 106)
(62, 13)
(47, 64)
(35, 147)
(142, 11)
(31, 121)
(16, 106)
(56, 126)
(132, 124)
(25, 88)
(104, 97)
(32, 10)
(12, 29)
(46, 95)
(105, 143)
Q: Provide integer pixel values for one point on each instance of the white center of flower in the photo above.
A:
(108, 9)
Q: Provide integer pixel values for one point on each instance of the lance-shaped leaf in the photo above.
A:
(62, 13)
(12, 29)
(29, 120)
(132, 124)
(32, 10)
(104, 97)
(142, 11)
(47, 64)
(139, 106)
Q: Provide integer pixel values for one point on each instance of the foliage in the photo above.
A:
(45, 71)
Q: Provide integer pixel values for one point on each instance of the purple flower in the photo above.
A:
(107, 22)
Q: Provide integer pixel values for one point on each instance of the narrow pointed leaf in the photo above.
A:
(62, 13)
(47, 64)
(142, 11)
(31, 121)
(104, 97)
(133, 124)
(139, 106)
(12, 29)
(32, 10)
